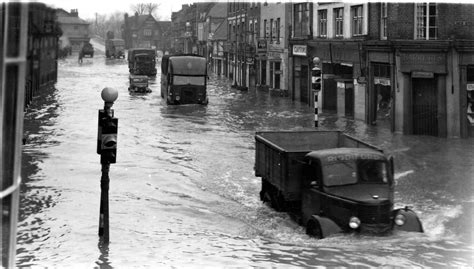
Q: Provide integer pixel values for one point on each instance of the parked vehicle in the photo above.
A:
(138, 83)
(87, 49)
(184, 79)
(142, 61)
(115, 48)
(330, 182)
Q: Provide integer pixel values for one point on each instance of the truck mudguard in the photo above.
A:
(412, 222)
(328, 227)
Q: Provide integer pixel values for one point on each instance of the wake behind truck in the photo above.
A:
(330, 182)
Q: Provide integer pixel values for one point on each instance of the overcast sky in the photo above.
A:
(88, 8)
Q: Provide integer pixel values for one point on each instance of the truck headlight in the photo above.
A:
(400, 219)
(354, 222)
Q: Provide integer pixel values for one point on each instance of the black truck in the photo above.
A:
(330, 182)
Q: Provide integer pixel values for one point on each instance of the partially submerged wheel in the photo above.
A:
(313, 229)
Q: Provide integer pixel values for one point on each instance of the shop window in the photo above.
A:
(470, 95)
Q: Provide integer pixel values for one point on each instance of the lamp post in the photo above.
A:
(107, 148)
(316, 79)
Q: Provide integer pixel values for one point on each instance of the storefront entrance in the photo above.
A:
(425, 106)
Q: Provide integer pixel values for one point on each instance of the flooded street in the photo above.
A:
(183, 191)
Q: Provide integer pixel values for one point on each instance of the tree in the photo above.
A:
(146, 8)
(103, 23)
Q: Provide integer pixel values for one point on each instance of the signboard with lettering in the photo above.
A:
(422, 74)
(300, 50)
(262, 45)
(427, 62)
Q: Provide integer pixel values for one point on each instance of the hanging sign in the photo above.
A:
(300, 50)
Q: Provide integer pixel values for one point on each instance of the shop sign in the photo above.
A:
(470, 87)
(273, 55)
(262, 45)
(428, 62)
(278, 72)
(300, 50)
(422, 74)
(250, 60)
(382, 81)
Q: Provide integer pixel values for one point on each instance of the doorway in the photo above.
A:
(425, 106)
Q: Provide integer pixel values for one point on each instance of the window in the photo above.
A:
(147, 32)
(340, 173)
(257, 33)
(338, 22)
(372, 171)
(301, 20)
(272, 30)
(278, 30)
(357, 20)
(251, 33)
(323, 23)
(383, 23)
(426, 21)
(265, 29)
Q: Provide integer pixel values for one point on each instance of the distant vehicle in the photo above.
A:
(184, 79)
(142, 61)
(330, 182)
(87, 49)
(115, 48)
(138, 83)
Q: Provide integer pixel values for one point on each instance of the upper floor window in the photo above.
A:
(266, 31)
(357, 20)
(323, 23)
(383, 22)
(277, 30)
(426, 21)
(147, 32)
(338, 22)
(272, 30)
(301, 17)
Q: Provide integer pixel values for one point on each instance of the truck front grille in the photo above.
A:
(375, 214)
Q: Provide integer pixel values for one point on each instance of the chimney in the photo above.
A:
(74, 13)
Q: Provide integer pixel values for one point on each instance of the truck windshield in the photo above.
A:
(191, 80)
(372, 171)
(340, 173)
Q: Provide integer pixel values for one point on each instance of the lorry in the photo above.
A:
(330, 182)
(138, 84)
(142, 61)
(87, 49)
(114, 47)
(184, 79)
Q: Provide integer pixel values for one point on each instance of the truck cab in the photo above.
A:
(351, 189)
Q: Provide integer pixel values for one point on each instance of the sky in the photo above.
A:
(88, 8)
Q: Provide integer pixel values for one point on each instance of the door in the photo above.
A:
(349, 100)
(304, 84)
(425, 106)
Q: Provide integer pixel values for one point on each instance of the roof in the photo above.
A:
(188, 65)
(221, 32)
(219, 10)
(346, 154)
(136, 21)
(65, 17)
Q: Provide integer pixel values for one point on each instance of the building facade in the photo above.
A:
(141, 31)
(273, 48)
(75, 30)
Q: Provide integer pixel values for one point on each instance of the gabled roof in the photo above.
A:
(137, 21)
(219, 10)
(221, 32)
(65, 17)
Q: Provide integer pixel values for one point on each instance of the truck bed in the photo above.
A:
(279, 155)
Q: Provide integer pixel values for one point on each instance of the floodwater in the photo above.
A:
(183, 191)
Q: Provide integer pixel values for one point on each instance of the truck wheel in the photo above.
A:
(277, 201)
(313, 229)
